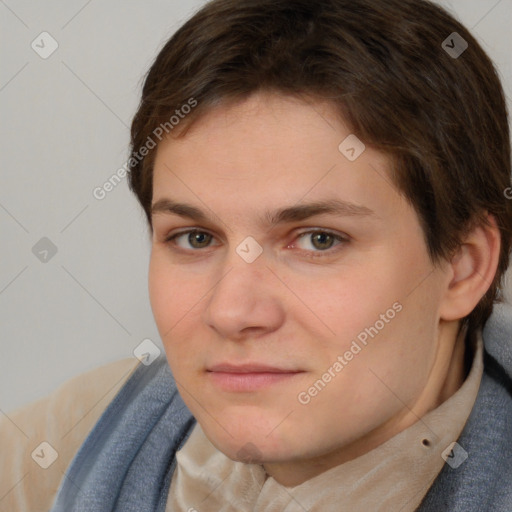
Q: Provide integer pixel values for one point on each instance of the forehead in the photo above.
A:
(270, 150)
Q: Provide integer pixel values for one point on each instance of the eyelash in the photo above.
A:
(312, 254)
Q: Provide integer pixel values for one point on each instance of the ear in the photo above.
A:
(471, 271)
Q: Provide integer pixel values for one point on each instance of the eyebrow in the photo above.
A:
(279, 216)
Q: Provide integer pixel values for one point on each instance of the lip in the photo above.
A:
(248, 368)
(248, 377)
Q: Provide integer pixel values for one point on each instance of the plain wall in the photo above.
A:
(64, 132)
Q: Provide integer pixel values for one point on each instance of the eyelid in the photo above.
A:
(341, 237)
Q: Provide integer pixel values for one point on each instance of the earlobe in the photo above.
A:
(473, 268)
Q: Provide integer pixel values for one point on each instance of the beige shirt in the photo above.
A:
(39, 440)
(394, 476)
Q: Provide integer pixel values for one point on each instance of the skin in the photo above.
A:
(300, 304)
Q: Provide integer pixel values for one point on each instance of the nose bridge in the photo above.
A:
(243, 269)
(242, 296)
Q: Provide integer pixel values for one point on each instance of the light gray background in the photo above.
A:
(64, 131)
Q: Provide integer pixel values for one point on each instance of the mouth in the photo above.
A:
(248, 377)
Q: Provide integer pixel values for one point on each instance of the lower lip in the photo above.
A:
(241, 382)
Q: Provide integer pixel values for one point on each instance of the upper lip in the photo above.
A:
(248, 368)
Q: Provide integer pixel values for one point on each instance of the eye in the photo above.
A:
(321, 240)
(197, 239)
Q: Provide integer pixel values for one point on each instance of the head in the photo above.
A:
(267, 114)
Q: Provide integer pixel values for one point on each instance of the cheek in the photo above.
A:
(394, 362)
(376, 380)
(341, 304)
(176, 296)
(375, 317)
(167, 294)
(158, 287)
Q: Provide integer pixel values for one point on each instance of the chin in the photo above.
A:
(248, 442)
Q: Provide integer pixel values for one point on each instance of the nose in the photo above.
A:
(245, 301)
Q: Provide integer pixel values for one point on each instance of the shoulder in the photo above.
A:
(131, 450)
(484, 480)
(39, 440)
(497, 334)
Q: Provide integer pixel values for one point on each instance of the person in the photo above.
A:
(325, 187)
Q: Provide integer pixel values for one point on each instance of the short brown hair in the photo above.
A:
(441, 119)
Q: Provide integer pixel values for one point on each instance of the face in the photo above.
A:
(294, 294)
